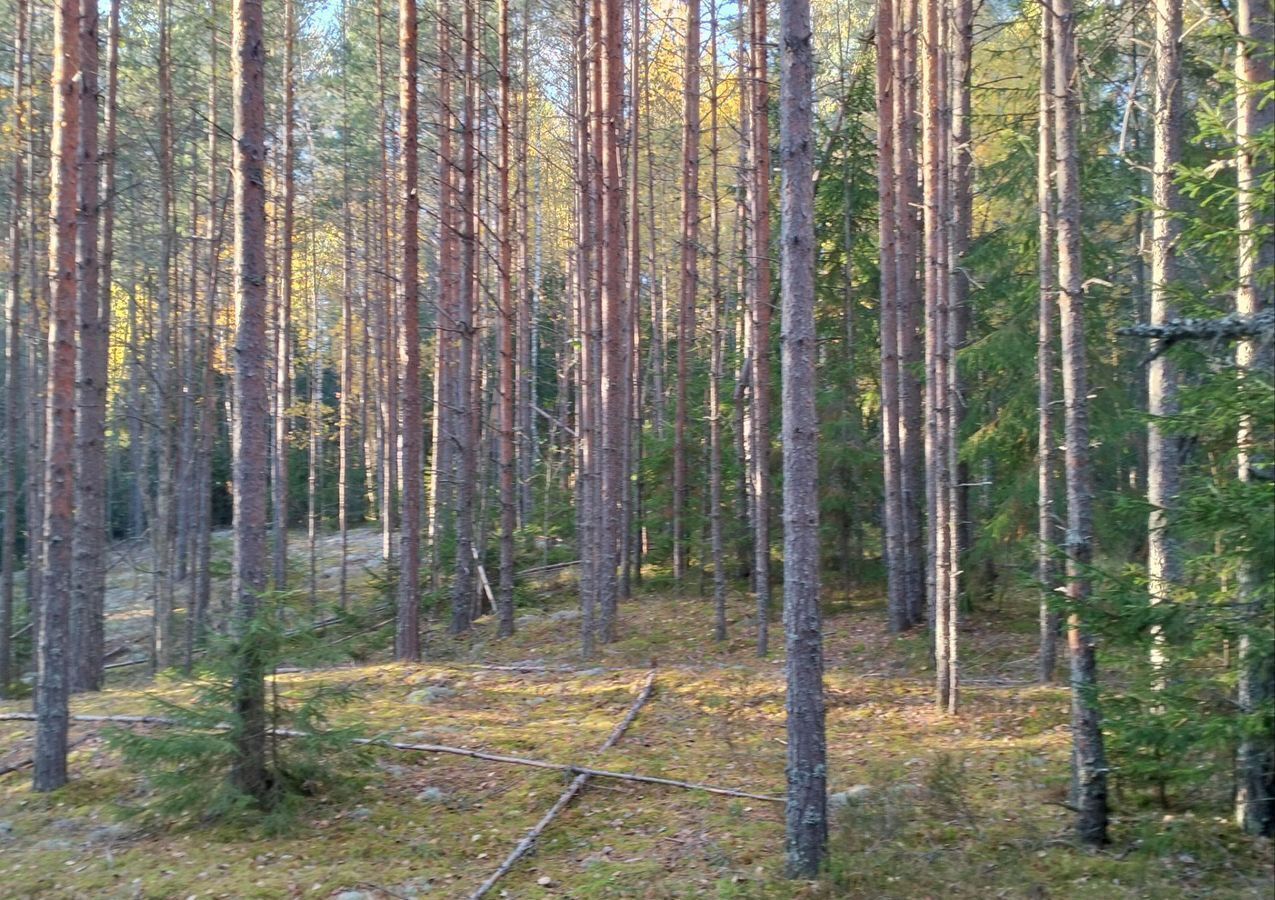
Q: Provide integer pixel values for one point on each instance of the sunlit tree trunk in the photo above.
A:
(715, 361)
(345, 413)
(251, 436)
(959, 177)
(283, 333)
(89, 575)
(1255, 19)
(689, 277)
(1089, 757)
(614, 320)
(407, 640)
(938, 485)
(59, 461)
(508, 360)
(630, 543)
(760, 305)
(446, 355)
(1046, 437)
(1164, 450)
(387, 314)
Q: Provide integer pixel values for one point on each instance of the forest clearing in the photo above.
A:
(924, 805)
(653, 448)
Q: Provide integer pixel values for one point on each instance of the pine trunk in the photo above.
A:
(1088, 757)
(407, 640)
(52, 663)
(13, 357)
(807, 815)
(760, 306)
(251, 436)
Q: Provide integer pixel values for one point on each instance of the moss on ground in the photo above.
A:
(954, 807)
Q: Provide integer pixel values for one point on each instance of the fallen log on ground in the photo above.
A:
(443, 749)
(577, 785)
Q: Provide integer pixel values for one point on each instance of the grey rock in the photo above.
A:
(354, 895)
(591, 673)
(431, 795)
(107, 833)
(431, 694)
(54, 844)
(361, 812)
(565, 615)
(849, 797)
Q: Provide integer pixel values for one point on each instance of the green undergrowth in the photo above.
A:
(961, 807)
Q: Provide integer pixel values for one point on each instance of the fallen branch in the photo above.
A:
(449, 751)
(577, 785)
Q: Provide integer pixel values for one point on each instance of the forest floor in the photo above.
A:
(934, 806)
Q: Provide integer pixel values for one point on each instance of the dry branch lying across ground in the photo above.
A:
(444, 749)
(577, 785)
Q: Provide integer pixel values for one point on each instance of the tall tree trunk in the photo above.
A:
(689, 280)
(1089, 757)
(314, 421)
(715, 359)
(1046, 438)
(630, 545)
(938, 484)
(960, 182)
(201, 588)
(466, 441)
(446, 356)
(59, 469)
(614, 320)
(509, 324)
(13, 356)
(807, 815)
(407, 641)
(251, 436)
(583, 314)
(892, 513)
(89, 576)
(760, 305)
(908, 253)
(345, 413)
(1164, 451)
(283, 334)
(1255, 794)
(388, 350)
(162, 525)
